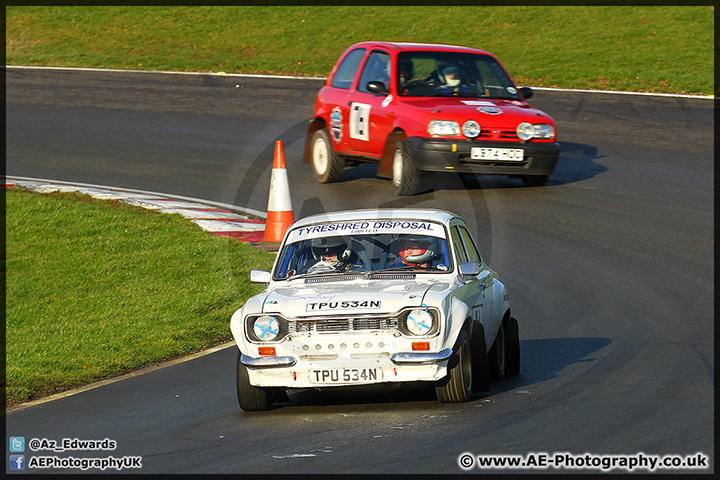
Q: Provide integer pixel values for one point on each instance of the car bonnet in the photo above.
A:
(490, 110)
(344, 298)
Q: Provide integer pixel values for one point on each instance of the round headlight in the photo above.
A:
(266, 328)
(471, 129)
(444, 128)
(525, 131)
(544, 130)
(419, 322)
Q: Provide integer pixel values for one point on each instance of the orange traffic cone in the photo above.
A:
(280, 212)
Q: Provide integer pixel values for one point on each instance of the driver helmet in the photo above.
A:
(455, 72)
(337, 246)
(421, 242)
(406, 65)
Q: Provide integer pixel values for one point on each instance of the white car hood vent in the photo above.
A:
(378, 276)
(366, 299)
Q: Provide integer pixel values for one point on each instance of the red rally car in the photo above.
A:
(413, 107)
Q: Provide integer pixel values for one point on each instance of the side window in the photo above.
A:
(345, 73)
(377, 69)
(472, 251)
(457, 245)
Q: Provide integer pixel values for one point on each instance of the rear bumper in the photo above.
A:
(440, 155)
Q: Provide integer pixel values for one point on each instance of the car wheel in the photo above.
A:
(512, 348)
(534, 180)
(457, 386)
(327, 165)
(481, 362)
(498, 353)
(405, 176)
(251, 398)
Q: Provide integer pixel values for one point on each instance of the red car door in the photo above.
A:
(369, 122)
(333, 98)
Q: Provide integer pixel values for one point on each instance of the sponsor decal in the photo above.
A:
(511, 90)
(336, 124)
(343, 304)
(490, 110)
(367, 227)
(478, 103)
(387, 101)
(359, 121)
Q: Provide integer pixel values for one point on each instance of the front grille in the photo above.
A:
(498, 135)
(342, 324)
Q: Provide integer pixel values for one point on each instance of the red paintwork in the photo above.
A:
(409, 116)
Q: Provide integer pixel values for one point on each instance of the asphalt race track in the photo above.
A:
(609, 269)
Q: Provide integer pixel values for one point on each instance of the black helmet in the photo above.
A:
(406, 64)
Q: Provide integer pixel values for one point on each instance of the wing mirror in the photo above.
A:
(377, 87)
(469, 269)
(260, 276)
(527, 92)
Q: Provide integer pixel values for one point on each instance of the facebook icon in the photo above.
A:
(17, 462)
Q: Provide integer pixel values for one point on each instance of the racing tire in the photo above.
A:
(498, 354)
(405, 176)
(534, 180)
(481, 362)
(457, 386)
(327, 165)
(512, 348)
(250, 397)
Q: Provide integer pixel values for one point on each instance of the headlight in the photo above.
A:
(443, 128)
(471, 129)
(544, 130)
(266, 328)
(419, 322)
(526, 131)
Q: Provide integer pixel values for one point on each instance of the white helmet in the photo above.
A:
(331, 246)
(455, 71)
(425, 244)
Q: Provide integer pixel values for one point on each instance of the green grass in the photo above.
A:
(95, 288)
(666, 49)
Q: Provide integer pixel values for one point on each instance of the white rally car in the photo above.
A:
(375, 296)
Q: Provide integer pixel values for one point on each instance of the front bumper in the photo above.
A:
(363, 359)
(442, 155)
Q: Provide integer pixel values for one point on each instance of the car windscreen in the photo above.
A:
(448, 74)
(365, 247)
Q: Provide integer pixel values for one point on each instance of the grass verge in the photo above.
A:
(665, 49)
(95, 288)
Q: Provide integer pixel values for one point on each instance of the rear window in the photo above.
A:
(345, 73)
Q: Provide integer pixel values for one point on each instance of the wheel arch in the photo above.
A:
(480, 360)
(385, 166)
(506, 318)
(313, 126)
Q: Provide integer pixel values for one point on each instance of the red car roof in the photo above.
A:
(413, 46)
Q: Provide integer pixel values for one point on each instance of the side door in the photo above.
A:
(369, 119)
(335, 99)
(470, 291)
(486, 284)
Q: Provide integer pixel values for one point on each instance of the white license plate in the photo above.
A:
(345, 375)
(503, 154)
